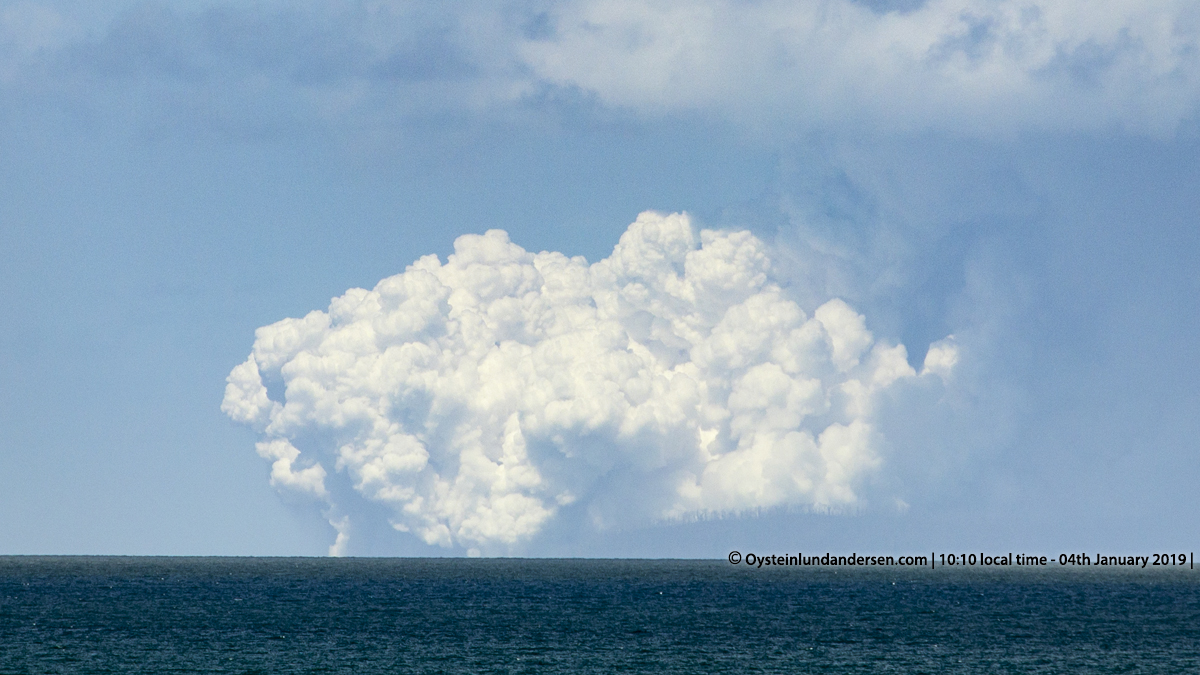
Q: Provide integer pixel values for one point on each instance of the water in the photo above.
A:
(287, 615)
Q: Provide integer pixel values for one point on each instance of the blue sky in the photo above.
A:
(1020, 175)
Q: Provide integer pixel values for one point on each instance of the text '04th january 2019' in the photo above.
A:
(935, 560)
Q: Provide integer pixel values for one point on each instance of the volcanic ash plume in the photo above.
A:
(479, 398)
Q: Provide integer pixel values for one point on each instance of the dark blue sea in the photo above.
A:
(289, 615)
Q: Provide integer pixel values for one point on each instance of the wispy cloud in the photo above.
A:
(964, 65)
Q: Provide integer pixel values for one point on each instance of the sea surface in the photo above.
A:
(315, 615)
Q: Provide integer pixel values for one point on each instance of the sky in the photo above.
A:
(600, 278)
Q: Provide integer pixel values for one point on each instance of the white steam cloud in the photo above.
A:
(478, 398)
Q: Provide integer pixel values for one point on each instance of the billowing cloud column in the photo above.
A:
(478, 397)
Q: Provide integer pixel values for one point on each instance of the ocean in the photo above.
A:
(323, 615)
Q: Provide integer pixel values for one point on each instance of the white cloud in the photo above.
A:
(941, 357)
(282, 456)
(977, 66)
(966, 64)
(477, 398)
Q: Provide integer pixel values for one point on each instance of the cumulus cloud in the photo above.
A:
(476, 399)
